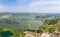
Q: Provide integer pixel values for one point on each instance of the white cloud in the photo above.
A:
(39, 6)
(2, 8)
(39, 3)
(39, 9)
(35, 6)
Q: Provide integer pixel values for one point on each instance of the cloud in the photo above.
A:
(44, 6)
(38, 6)
(45, 3)
(32, 6)
(1, 8)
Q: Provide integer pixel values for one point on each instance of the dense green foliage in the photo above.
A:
(51, 30)
(46, 16)
(49, 22)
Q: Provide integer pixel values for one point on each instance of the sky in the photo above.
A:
(34, 6)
